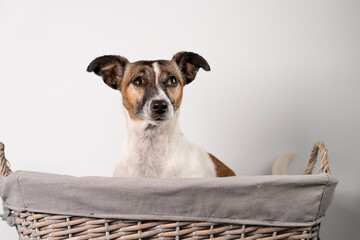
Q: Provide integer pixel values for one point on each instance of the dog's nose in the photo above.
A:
(159, 106)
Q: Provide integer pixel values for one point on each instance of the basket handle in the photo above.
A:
(319, 146)
(4, 164)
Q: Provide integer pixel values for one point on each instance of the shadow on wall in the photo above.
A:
(342, 219)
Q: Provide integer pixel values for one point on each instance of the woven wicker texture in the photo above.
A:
(43, 226)
(34, 226)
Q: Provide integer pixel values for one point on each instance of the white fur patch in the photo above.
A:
(157, 72)
(161, 152)
(161, 94)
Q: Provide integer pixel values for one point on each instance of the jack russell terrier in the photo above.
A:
(155, 146)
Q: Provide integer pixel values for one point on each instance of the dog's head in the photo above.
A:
(151, 90)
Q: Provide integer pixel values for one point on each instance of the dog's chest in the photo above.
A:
(161, 152)
(151, 155)
(164, 158)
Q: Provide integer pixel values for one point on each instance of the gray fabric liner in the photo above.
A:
(299, 200)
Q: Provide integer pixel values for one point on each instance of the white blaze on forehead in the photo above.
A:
(160, 92)
(157, 73)
(160, 95)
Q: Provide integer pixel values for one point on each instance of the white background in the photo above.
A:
(284, 75)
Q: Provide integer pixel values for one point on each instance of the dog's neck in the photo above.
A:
(147, 146)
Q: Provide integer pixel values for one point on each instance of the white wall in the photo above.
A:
(284, 75)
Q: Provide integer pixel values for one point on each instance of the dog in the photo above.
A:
(155, 146)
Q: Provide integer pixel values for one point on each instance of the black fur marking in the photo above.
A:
(110, 67)
(189, 64)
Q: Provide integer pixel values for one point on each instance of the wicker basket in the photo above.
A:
(35, 225)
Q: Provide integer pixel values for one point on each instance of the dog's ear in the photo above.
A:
(111, 68)
(189, 64)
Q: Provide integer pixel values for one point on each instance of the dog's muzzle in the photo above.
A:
(159, 109)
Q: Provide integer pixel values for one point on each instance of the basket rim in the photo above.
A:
(227, 200)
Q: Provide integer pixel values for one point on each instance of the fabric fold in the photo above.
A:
(299, 200)
(8, 217)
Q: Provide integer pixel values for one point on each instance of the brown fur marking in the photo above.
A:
(133, 95)
(221, 169)
(117, 72)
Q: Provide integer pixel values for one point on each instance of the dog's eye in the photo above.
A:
(139, 82)
(172, 82)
